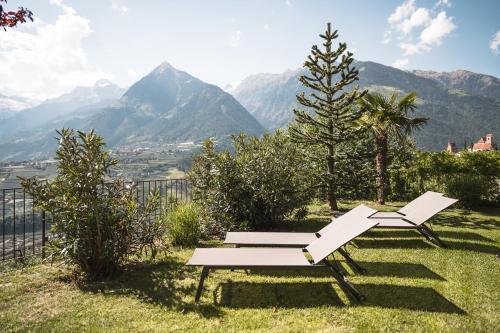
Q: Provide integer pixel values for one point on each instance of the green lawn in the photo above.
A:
(411, 286)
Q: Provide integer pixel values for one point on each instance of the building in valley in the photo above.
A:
(484, 144)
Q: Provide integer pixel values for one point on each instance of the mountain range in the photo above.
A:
(461, 106)
(169, 106)
(165, 106)
(79, 100)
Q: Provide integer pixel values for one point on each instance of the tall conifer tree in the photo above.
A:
(330, 115)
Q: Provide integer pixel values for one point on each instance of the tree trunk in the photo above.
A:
(381, 167)
(332, 198)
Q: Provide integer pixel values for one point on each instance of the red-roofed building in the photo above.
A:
(484, 144)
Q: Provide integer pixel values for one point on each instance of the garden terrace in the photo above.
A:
(411, 285)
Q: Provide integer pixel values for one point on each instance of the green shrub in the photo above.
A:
(301, 213)
(471, 177)
(261, 183)
(183, 224)
(97, 224)
(471, 190)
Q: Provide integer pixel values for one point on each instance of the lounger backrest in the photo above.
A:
(419, 203)
(356, 223)
(432, 207)
(346, 218)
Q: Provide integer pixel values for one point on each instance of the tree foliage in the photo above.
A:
(97, 224)
(388, 117)
(262, 182)
(10, 19)
(330, 115)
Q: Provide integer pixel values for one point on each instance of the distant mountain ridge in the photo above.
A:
(103, 93)
(165, 106)
(455, 114)
(169, 105)
(474, 83)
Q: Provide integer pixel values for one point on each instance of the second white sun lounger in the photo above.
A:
(416, 217)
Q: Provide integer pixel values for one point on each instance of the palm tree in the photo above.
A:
(388, 116)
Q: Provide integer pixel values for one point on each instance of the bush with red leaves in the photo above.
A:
(11, 18)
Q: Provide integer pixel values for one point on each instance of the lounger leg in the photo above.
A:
(204, 274)
(351, 262)
(431, 236)
(344, 282)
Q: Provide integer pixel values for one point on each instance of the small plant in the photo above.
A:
(183, 224)
(301, 213)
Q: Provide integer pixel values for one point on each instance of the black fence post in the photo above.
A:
(43, 234)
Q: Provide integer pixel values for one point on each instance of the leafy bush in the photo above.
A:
(263, 181)
(96, 224)
(183, 224)
(473, 178)
(471, 190)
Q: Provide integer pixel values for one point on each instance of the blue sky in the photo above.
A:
(77, 42)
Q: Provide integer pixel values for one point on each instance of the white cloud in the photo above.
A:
(419, 29)
(400, 63)
(440, 27)
(444, 3)
(267, 27)
(402, 11)
(131, 72)
(235, 39)
(288, 3)
(495, 42)
(117, 5)
(419, 17)
(46, 60)
(66, 9)
(387, 37)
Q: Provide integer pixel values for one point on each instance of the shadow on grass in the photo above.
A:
(386, 233)
(422, 244)
(311, 224)
(392, 244)
(468, 220)
(394, 269)
(407, 297)
(410, 233)
(476, 247)
(403, 270)
(286, 295)
(308, 295)
(290, 273)
(156, 283)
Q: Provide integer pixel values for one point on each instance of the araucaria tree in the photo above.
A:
(331, 114)
(388, 116)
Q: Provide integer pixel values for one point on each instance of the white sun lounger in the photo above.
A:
(416, 216)
(289, 258)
